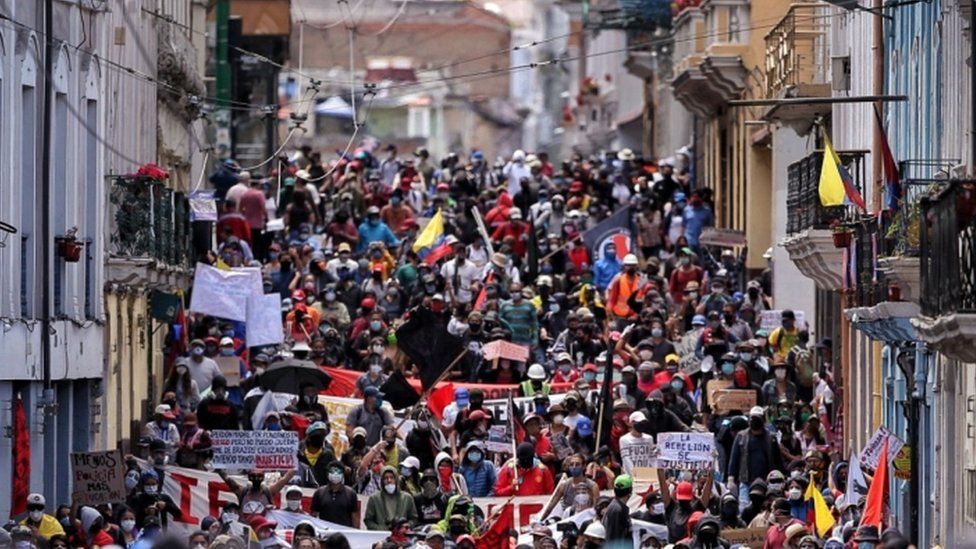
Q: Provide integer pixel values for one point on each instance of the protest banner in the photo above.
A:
(770, 320)
(264, 450)
(203, 206)
(724, 238)
(727, 400)
(230, 368)
(637, 453)
(693, 451)
(224, 294)
(872, 450)
(504, 349)
(714, 386)
(746, 537)
(97, 477)
(287, 521)
(264, 320)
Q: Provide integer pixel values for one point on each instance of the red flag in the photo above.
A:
(892, 178)
(518, 430)
(20, 487)
(877, 492)
(479, 302)
(497, 534)
(439, 398)
(438, 253)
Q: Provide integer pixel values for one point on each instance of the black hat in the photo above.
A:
(218, 382)
(781, 507)
(867, 532)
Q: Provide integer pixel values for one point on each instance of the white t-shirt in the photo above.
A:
(203, 372)
(626, 441)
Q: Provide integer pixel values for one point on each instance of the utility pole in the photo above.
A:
(47, 241)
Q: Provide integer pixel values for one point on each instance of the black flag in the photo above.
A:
(425, 339)
(605, 405)
(398, 391)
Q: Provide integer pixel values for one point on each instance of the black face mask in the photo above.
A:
(756, 423)
(730, 510)
(457, 530)
(315, 441)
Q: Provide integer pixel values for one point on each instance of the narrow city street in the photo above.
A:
(521, 274)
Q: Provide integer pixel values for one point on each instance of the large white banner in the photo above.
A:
(264, 320)
(222, 293)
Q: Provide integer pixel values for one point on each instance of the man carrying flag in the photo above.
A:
(877, 492)
(836, 184)
(823, 520)
(430, 238)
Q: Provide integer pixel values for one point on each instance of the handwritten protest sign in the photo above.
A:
(203, 207)
(872, 450)
(98, 477)
(222, 293)
(506, 350)
(499, 439)
(728, 400)
(747, 537)
(230, 368)
(685, 450)
(637, 453)
(714, 386)
(264, 320)
(264, 450)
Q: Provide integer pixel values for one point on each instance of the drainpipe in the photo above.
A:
(878, 85)
(46, 240)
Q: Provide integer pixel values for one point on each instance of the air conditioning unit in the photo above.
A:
(840, 73)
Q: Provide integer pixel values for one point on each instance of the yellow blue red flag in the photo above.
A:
(836, 184)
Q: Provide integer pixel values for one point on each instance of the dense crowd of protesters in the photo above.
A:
(669, 313)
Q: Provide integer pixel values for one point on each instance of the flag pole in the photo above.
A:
(440, 378)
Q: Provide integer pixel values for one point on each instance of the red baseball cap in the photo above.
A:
(589, 367)
(367, 303)
(685, 492)
(257, 522)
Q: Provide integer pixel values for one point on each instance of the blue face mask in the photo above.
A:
(728, 368)
(540, 410)
(375, 325)
(589, 376)
(575, 471)
(475, 457)
(273, 427)
(746, 357)
(227, 352)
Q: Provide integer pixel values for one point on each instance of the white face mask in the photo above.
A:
(795, 494)
(335, 478)
(293, 504)
(779, 373)
(128, 525)
(375, 369)
(390, 488)
(557, 419)
(230, 517)
(150, 489)
(646, 354)
(36, 516)
(657, 508)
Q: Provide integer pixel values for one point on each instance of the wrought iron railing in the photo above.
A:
(868, 286)
(151, 221)
(919, 178)
(632, 15)
(803, 207)
(948, 250)
(797, 49)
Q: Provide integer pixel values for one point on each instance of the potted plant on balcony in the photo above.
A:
(841, 233)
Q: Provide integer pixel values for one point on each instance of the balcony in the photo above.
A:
(797, 61)
(810, 240)
(150, 241)
(948, 271)
(641, 15)
(875, 305)
(709, 43)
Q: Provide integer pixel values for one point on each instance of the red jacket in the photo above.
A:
(536, 481)
(518, 230)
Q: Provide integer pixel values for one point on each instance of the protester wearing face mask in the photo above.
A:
(255, 491)
(309, 404)
(575, 491)
(216, 411)
(127, 533)
(785, 526)
(229, 514)
(479, 473)
(264, 531)
(334, 501)
(374, 376)
(431, 502)
(194, 445)
(754, 454)
(44, 524)
(292, 500)
(181, 383)
(203, 370)
(786, 336)
(163, 428)
(779, 387)
(370, 415)
(682, 504)
(316, 452)
(424, 441)
(389, 503)
(536, 479)
(149, 500)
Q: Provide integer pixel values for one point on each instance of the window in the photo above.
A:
(28, 144)
(970, 497)
(418, 122)
(92, 195)
(59, 193)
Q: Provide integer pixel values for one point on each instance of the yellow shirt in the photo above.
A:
(48, 527)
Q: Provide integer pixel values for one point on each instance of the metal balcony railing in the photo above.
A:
(803, 207)
(797, 48)
(632, 15)
(868, 285)
(919, 178)
(948, 250)
(151, 221)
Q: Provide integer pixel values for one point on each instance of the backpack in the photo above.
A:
(803, 364)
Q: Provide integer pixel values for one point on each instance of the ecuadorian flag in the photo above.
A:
(836, 184)
(430, 245)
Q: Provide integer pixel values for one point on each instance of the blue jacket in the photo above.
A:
(376, 233)
(605, 269)
(480, 478)
(696, 218)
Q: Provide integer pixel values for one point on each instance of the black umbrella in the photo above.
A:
(290, 375)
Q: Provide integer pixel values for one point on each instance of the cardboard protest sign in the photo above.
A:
(264, 450)
(714, 386)
(230, 368)
(98, 477)
(264, 320)
(637, 453)
(872, 450)
(222, 293)
(727, 400)
(506, 350)
(693, 451)
(747, 537)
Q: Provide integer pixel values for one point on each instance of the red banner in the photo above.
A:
(20, 487)
(344, 385)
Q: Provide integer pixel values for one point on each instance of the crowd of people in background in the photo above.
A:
(669, 313)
